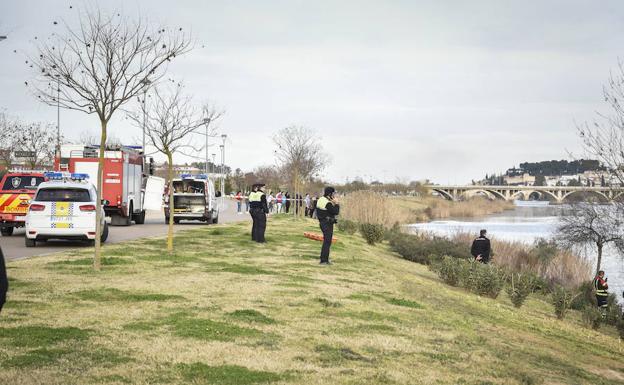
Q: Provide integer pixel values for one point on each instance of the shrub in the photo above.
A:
(485, 279)
(520, 286)
(561, 300)
(347, 226)
(585, 297)
(619, 325)
(420, 249)
(450, 270)
(592, 317)
(373, 233)
(614, 310)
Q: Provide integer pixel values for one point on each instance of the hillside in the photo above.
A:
(224, 310)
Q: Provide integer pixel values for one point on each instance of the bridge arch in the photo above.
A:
(601, 196)
(497, 194)
(445, 194)
(541, 192)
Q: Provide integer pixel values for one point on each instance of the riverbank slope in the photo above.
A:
(224, 310)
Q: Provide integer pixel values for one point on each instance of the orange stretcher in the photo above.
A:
(317, 237)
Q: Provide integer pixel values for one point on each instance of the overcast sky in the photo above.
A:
(445, 90)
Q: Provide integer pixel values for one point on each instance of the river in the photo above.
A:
(526, 222)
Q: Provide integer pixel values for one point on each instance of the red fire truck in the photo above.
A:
(17, 188)
(123, 178)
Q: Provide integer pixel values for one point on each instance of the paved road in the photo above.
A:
(13, 246)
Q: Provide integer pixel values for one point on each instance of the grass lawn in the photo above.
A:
(224, 310)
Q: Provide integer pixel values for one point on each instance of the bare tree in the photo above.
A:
(99, 66)
(90, 138)
(604, 138)
(300, 156)
(39, 140)
(170, 120)
(8, 138)
(590, 223)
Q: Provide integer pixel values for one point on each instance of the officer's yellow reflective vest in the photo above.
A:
(600, 292)
(255, 196)
(322, 202)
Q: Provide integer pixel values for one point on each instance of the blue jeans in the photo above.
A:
(238, 206)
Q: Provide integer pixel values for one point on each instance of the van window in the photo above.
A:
(63, 195)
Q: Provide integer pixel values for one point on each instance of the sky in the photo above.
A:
(395, 90)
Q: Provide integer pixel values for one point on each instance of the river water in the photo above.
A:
(527, 222)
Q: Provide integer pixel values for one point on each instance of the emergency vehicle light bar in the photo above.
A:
(190, 176)
(65, 175)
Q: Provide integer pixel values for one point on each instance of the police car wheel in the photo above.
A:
(30, 242)
(104, 235)
(6, 231)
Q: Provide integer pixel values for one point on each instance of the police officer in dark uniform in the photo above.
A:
(326, 210)
(258, 209)
(480, 249)
(4, 281)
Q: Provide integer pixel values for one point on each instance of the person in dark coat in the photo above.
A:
(288, 202)
(480, 249)
(326, 210)
(4, 281)
(258, 209)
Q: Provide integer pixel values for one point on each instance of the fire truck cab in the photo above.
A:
(123, 178)
(17, 188)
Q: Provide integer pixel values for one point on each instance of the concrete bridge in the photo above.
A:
(558, 194)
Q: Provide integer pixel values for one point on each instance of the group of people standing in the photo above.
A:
(281, 202)
(325, 208)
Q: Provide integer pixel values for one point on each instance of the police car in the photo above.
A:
(63, 208)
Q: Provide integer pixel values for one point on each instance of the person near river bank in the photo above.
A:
(602, 295)
(481, 248)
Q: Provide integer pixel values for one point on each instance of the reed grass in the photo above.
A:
(371, 207)
(556, 266)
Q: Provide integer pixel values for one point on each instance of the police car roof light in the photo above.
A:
(79, 176)
(53, 175)
(186, 176)
(201, 176)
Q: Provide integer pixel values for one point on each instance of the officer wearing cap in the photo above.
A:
(326, 210)
(258, 209)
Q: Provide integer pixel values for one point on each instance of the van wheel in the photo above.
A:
(139, 219)
(30, 242)
(215, 220)
(176, 220)
(6, 231)
(104, 235)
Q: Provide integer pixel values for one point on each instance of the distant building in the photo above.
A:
(523, 179)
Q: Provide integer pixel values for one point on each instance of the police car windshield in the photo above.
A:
(22, 182)
(63, 195)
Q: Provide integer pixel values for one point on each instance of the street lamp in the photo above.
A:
(58, 114)
(207, 124)
(146, 83)
(214, 159)
(223, 137)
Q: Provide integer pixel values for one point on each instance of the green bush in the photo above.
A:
(592, 317)
(519, 288)
(585, 297)
(347, 226)
(561, 300)
(614, 310)
(420, 249)
(373, 233)
(485, 279)
(450, 270)
(619, 325)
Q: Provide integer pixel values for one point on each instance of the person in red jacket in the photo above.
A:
(601, 287)
(239, 203)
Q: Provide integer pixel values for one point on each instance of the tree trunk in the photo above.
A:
(97, 264)
(599, 257)
(171, 208)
